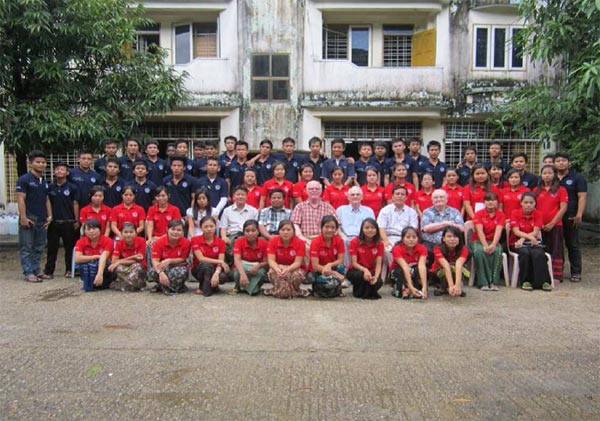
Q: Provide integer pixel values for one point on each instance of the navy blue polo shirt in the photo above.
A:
(331, 163)
(292, 165)
(157, 171)
(464, 174)
(360, 169)
(264, 170)
(126, 172)
(144, 193)
(224, 161)
(112, 194)
(190, 168)
(84, 180)
(574, 183)
(62, 198)
(420, 164)
(200, 166)
(487, 163)
(529, 180)
(36, 192)
(438, 171)
(411, 167)
(317, 166)
(180, 194)
(216, 189)
(235, 173)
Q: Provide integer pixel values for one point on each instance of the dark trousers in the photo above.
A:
(203, 272)
(571, 234)
(56, 231)
(553, 240)
(362, 288)
(533, 267)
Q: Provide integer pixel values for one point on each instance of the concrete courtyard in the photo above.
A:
(109, 355)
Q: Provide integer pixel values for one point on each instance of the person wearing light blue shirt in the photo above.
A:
(351, 217)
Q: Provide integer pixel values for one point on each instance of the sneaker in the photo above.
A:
(346, 283)
(546, 286)
(527, 286)
(45, 277)
(494, 287)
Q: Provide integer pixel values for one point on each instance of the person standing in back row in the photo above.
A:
(576, 187)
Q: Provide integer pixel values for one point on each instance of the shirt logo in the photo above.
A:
(147, 190)
(373, 251)
(268, 166)
(118, 188)
(189, 167)
(160, 166)
(295, 164)
(103, 217)
(168, 217)
(215, 249)
(134, 214)
(66, 192)
(292, 253)
(217, 187)
(93, 179)
(569, 182)
(184, 184)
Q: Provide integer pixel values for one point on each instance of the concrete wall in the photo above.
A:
(592, 210)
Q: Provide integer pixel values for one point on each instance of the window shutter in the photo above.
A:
(423, 53)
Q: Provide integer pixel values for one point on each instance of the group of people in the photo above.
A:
(285, 218)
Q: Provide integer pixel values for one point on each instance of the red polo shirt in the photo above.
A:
(366, 253)
(451, 258)
(299, 191)
(325, 253)
(123, 251)
(525, 223)
(85, 247)
(411, 258)
(121, 214)
(272, 184)
(511, 200)
(336, 196)
(162, 249)
(103, 215)
(373, 199)
(210, 250)
(161, 218)
(254, 196)
(455, 196)
(389, 191)
(285, 255)
(489, 223)
(548, 203)
(423, 199)
(256, 253)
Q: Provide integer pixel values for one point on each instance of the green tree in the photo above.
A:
(69, 76)
(564, 33)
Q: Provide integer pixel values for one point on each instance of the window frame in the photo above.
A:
(270, 78)
(370, 44)
(491, 45)
(190, 26)
(144, 33)
(410, 36)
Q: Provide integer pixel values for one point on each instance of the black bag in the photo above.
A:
(326, 287)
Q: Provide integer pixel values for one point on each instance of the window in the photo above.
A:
(360, 39)
(496, 48)
(397, 46)
(270, 77)
(335, 42)
(147, 38)
(195, 40)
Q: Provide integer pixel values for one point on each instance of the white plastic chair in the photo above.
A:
(514, 265)
(469, 230)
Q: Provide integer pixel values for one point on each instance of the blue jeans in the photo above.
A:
(31, 244)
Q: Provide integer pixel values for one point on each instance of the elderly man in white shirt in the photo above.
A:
(351, 217)
(393, 218)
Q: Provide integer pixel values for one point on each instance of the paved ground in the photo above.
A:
(108, 355)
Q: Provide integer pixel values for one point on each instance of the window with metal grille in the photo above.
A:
(195, 40)
(270, 77)
(397, 46)
(460, 134)
(335, 42)
(165, 132)
(371, 130)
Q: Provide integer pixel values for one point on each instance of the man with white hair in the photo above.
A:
(307, 216)
(436, 218)
(351, 217)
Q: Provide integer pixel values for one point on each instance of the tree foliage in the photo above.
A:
(563, 33)
(68, 74)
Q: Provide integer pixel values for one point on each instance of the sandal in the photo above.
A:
(45, 277)
(154, 289)
(494, 287)
(304, 293)
(485, 288)
(268, 292)
(527, 286)
(575, 278)
(546, 287)
(33, 279)
(198, 292)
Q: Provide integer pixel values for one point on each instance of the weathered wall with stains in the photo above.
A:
(270, 26)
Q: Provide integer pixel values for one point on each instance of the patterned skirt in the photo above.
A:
(287, 286)
(130, 278)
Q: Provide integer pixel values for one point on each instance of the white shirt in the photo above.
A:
(233, 218)
(394, 220)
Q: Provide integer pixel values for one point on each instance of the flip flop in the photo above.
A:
(33, 279)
